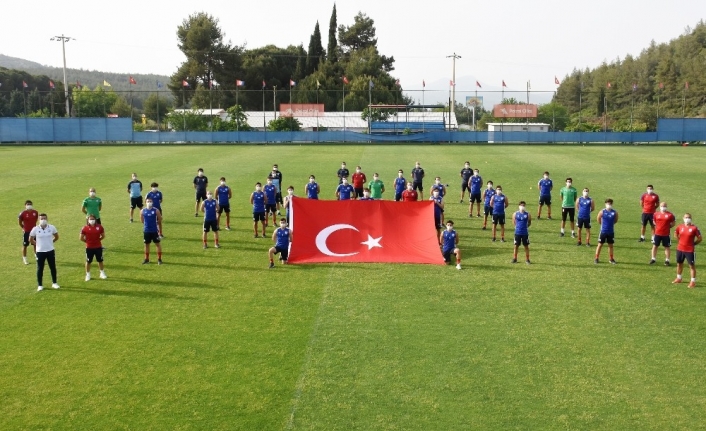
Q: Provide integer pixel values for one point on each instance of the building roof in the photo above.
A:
(353, 120)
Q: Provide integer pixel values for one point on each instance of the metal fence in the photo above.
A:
(119, 130)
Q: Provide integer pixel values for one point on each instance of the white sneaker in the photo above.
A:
(40, 288)
(88, 276)
(55, 285)
(24, 260)
(103, 276)
(458, 266)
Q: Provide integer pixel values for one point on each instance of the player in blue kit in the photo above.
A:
(209, 207)
(134, 189)
(157, 199)
(585, 206)
(545, 186)
(366, 195)
(150, 218)
(487, 209)
(258, 199)
(345, 191)
(271, 208)
(312, 188)
(607, 218)
(474, 184)
(449, 244)
(282, 236)
(438, 209)
(499, 202)
(399, 184)
(522, 221)
(223, 195)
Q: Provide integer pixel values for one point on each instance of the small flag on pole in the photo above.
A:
(24, 84)
(106, 83)
(159, 84)
(345, 80)
(478, 84)
(184, 83)
(292, 83)
(608, 85)
(451, 83)
(51, 84)
(504, 85)
(397, 82)
(78, 84)
(132, 81)
(686, 85)
(239, 83)
(318, 84)
(371, 84)
(634, 87)
(556, 80)
(264, 84)
(661, 85)
(424, 84)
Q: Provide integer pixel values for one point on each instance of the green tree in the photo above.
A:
(235, 121)
(156, 107)
(316, 51)
(332, 48)
(359, 35)
(188, 120)
(121, 107)
(284, 124)
(95, 103)
(554, 114)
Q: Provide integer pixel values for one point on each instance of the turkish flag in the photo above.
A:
(363, 231)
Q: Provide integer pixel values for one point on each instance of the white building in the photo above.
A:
(518, 127)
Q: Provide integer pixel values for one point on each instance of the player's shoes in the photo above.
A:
(588, 244)
(458, 266)
(24, 260)
(146, 261)
(205, 246)
(502, 239)
(641, 240)
(494, 240)
(613, 261)
(539, 218)
(528, 262)
(483, 228)
(692, 285)
(103, 276)
(666, 263)
(549, 218)
(461, 201)
(130, 220)
(677, 281)
(513, 261)
(652, 261)
(227, 227)
(578, 244)
(279, 213)
(272, 265)
(55, 285)
(573, 235)
(595, 261)
(218, 246)
(256, 236)
(40, 288)
(88, 276)
(159, 261)
(478, 215)
(561, 234)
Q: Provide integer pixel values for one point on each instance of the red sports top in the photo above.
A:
(687, 235)
(650, 202)
(359, 180)
(408, 196)
(29, 219)
(93, 234)
(662, 222)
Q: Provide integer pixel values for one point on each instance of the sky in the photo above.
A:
(516, 41)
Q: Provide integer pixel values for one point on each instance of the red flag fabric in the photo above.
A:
(51, 84)
(292, 83)
(556, 80)
(363, 231)
(239, 83)
(661, 85)
(397, 82)
(608, 85)
(451, 83)
(478, 84)
(24, 84)
(504, 85)
(686, 85)
(132, 81)
(264, 84)
(184, 83)
(345, 80)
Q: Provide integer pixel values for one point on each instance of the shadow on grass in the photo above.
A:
(165, 283)
(129, 293)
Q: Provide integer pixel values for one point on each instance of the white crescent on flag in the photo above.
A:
(323, 236)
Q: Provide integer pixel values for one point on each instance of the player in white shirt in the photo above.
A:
(43, 238)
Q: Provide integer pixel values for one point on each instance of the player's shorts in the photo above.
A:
(358, 192)
(475, 197)
(398, 196)
(664, 241)
(688, 256)
(94, 252)
(283, 252)
(160, 210)
(499, 219)
(256, 217)
(488, 210)
(606, 238)
(568, 212)
(151, 237)
(464, 186)
(200, 195)
(224, 208)
(270, 208)
(545, 200)
(437, 221)
(417, 185)
(447, 255)
(210, 225)
(136, 202)
(25, 239)
(648, 218)
(278, 198)
(584, 223)
(522, 240)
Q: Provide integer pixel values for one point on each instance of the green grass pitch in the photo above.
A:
(213, 340)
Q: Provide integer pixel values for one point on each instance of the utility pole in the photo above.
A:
(453, 79)
(63, 39)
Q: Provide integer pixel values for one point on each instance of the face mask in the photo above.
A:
(436, 194)
(649, 191)
(399, 174)
(92, 194)
(274, 169)
(449, 228)
(92, 221)
(687, 220)
(438, 181)
(357, 170)
(223, 183)
(375, 178)
(568, 184)
(366, 194)
(663, 209)
(148, 205)
(154, 189)
(28, 207)
(608, 206)
(201, 174)
(269, 182)
(343, 166)
(209, 196)
(522, 208)
(290, 192)
(498, 192)
(546, 177)
(311, 180)
(466, 166)
(585, 194)
(283, 225)
(475, 173)
(258, 188)
(43, 223)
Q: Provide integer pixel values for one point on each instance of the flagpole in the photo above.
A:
(159, 129)
(344, 105)
(264, 120)
(237, 87)
(183, 104)
(274, 101)
(370, 109)
(423, 108)
(317, 106)
(290, 104)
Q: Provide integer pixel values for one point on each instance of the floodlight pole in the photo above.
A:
(63, 39)
(453, 86)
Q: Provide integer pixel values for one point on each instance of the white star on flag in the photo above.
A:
(372, 242)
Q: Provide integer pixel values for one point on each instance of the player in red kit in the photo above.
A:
(410, 195)
(650, 203)
(27, 219)
(688, 236)
(664, 222)
(92, 234)
(359, 179)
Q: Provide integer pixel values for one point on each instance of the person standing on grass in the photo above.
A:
(688, 236)
(342, 173)
(43, 238)
(522, 221)
(438, 210)
(223, 195)
(474, 184)
(400, 184)
(449, 244)
(258, 200)
(664, 222)
(376, 186)
(277, 181)
(418, 178)
(607, 218)
(487, 208)
(209, 207)
(92, 234)
(545, 186)
(200, 185)
(312, 188)
(465, 175)
(27, 220)
(134, 189)
(359, 180)
(499, 202)
(568, 206)
(271, 207)
(288, 202)
(150, 218)
(585, 206)
(157, 199)
(92, 205)
(282, 236)
(410, 195)
(442, 192)
(345, 191)
(649, 202)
